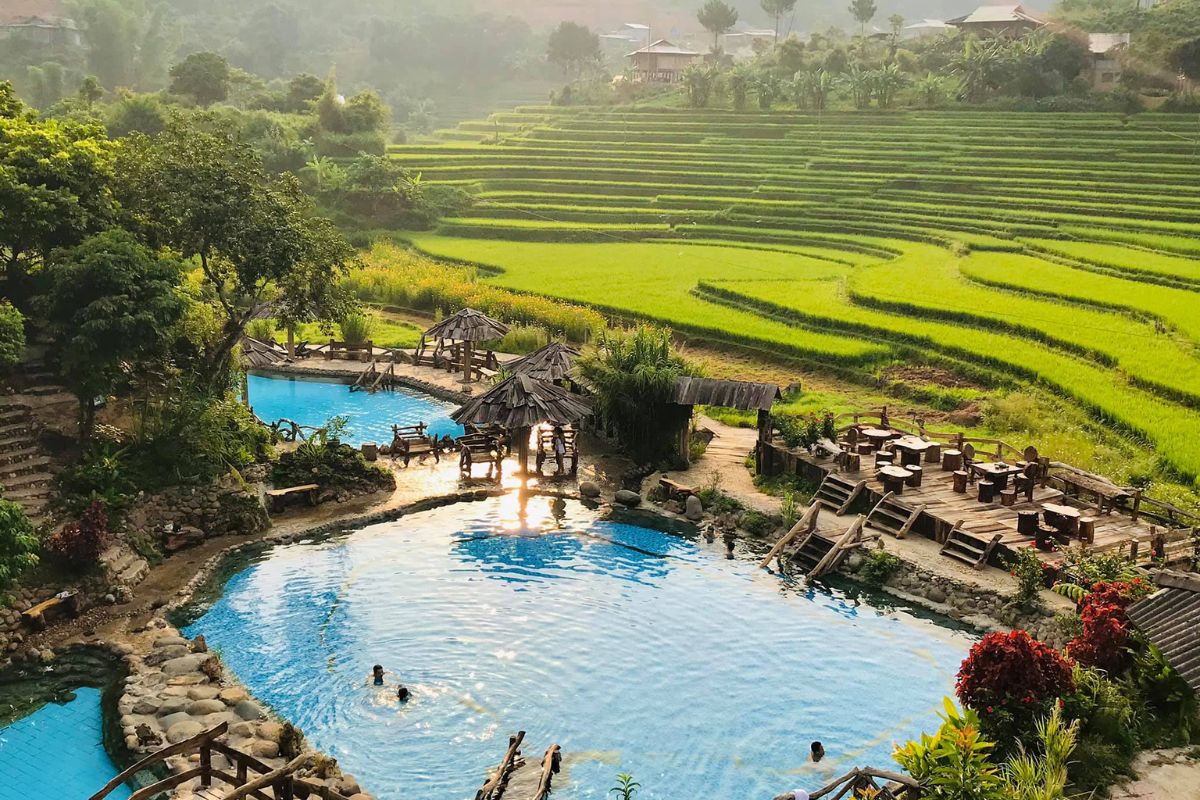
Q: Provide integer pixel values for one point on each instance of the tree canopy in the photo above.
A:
(204, 77)
(717, 17)
(573, 47)
(12, 335)
(776, 9)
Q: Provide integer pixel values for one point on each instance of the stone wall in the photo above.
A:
(223, 508)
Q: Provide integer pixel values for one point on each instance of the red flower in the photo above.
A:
(1004, 666)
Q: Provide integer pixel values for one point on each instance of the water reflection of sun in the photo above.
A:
(523, 512)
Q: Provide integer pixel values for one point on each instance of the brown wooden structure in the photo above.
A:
(554, 362)
(742, 395)
(413, 441)
(461, 331)
(1170, 618)
(249, 778)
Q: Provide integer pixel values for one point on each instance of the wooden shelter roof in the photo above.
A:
(742, 395)
(260, 354)
(553, 362)
(468, 325)
(1170, 618)
(522, 402)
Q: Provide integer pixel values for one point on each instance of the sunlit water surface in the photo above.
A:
(637, 651)
(369, 417)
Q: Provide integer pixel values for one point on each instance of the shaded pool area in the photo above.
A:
(637, 651)
(370, 416)
(57, 751)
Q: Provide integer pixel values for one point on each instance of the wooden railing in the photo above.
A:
(281, 781)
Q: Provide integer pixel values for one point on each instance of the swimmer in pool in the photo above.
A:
(377, 674)
(818, 751)
(402, 694)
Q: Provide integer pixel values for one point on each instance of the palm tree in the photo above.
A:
(977, 67)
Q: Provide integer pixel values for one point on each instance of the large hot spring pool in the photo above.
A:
(637, 651)
(369, 417)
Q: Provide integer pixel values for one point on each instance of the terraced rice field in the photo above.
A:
(1057, 249)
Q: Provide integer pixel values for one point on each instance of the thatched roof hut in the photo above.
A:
(523, 402)
(468, 325)
(553, 362)
(260, 355)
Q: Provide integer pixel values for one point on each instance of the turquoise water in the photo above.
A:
(635, 650)
(370, 416)
(57, 752)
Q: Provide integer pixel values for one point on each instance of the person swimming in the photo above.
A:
(402, 694)
(377, 674)
(818, 751)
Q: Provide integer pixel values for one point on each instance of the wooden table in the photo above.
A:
(878, 436)
(912, 449)
(1108, 495)
(1060, 517)
(894, 478)
(997, 472)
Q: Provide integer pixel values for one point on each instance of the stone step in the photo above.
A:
(27, 466)
(10, 456)
(29, 480)
(16, 439)
(28, 494)
(13, 416)
(134, 574)
(45, 389)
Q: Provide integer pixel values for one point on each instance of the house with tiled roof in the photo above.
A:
(993, 21)
(39, 21)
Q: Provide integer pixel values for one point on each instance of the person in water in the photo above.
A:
(402, 694)
(377, 674)
(818, 751)
(795, 794)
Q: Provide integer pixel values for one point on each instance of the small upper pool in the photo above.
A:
(370, 417)
(636, 650)
(57, 752)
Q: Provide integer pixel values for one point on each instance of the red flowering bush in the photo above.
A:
(1012, 670)
(1102, 644)
(81, 543)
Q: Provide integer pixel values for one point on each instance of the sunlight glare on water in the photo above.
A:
(636, 650)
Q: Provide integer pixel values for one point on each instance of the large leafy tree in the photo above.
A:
(201, 190)
(776, 9)
(55, 188)
(204, 77)
(573, 47)
(717, 17)
(862, 11)
(18, 542)
(110, 305)
(12, 335)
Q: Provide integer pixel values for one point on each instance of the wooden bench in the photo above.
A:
(409, 441)
(545, 450)
(675, 490)
(64, 603)
(278, 498)
(480, 448)
(354, 352)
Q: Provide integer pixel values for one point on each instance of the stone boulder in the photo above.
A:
(628, 498)
(185, 729)
(589, 489)
(693, 509)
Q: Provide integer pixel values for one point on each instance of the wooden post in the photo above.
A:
(206, 765)
(467, 346)
(291, 341)
(522, 436)
(1137, 503)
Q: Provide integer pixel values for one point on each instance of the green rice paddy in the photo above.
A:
(1053, 249)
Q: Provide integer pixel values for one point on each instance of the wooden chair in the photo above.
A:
(412, 441)
(968, 459)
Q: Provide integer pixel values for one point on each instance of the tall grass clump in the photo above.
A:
(395, 276)
(522, 339)
(357, 328)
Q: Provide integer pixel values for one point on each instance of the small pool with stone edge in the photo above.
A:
(636, 650)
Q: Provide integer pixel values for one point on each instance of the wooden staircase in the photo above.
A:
(837, 493)
(968, 548)
(812, 551)
(25, 475)
(893, 517)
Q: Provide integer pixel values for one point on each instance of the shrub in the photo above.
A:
(879, 566)
(261, 329)
(953, 764)
(1030, 572)
(1107, 736)
(1011, 679)
(18, 542)
(324, 460)
(1102, 643)
(12, 335)
(357, 328)
(79, 544)
(756, 523)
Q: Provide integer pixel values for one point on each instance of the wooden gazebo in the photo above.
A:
(519, 403)
(742, 395)
(553, 362)
(466, 327)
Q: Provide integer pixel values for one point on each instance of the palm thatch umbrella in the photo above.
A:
(518, 404)
(553, 363)
(468, 326)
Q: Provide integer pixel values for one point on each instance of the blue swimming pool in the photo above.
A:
(57, 752)
(636, 650)
(370, 417)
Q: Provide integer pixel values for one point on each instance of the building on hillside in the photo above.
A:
(1104, 59)
(661, 62)
(1170, 619)
(629, 34)
(746, 42)
(925, 29)
(997, 21)
(38, 21)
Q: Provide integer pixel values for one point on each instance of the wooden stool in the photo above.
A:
(933, 454)
(987, 492)
(914, 475)
(1087, 530)
(864, 448)
(1008, 497)
(892, 484)
(853, 462)
(883, 458)
(951, 461)
(370, 451)
(960, 481)
(1027, 522)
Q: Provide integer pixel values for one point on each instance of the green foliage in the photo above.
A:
(324, 460)
(878, 566)
(204, 77)
(862, 11)
(1108, 734)
(700, 81)
(521, 339)
(1030, 571)
(626, 787)
(573, 48)
(12, 335)
(953, 764)
(789, 509)
(1165, 690)
(18, 542)
(633, 376)
(357, 328)
(755, 523)
(717, 17)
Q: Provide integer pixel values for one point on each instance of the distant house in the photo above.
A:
(629, 34)
(38, 21)
(1008, 21)
(925, 29)
(1104, 54)
(741, 43)
(661, 62)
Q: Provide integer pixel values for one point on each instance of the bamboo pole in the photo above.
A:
(550, 765)
(803, 524)
(491, 789)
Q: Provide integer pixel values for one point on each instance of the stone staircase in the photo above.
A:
(123, 567)
(25, 472)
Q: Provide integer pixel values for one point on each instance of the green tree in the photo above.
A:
(55, 188)
(364, 112)
(717, 17)
(18, 542)
(887, 83)
(860, 82)
(329, 106)
(303, 90)
(141, 113)
(204, 77)
(110, 304)
(47, 83)
(699, 80)
(198, 188)
(863, 11)
(12, 335)
(776, 9)
(111, 37)
(90, 91)
(741, 79)
(978, 66)
(573, 47)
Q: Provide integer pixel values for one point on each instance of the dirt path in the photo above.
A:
(1163, 775)
(726, 458)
